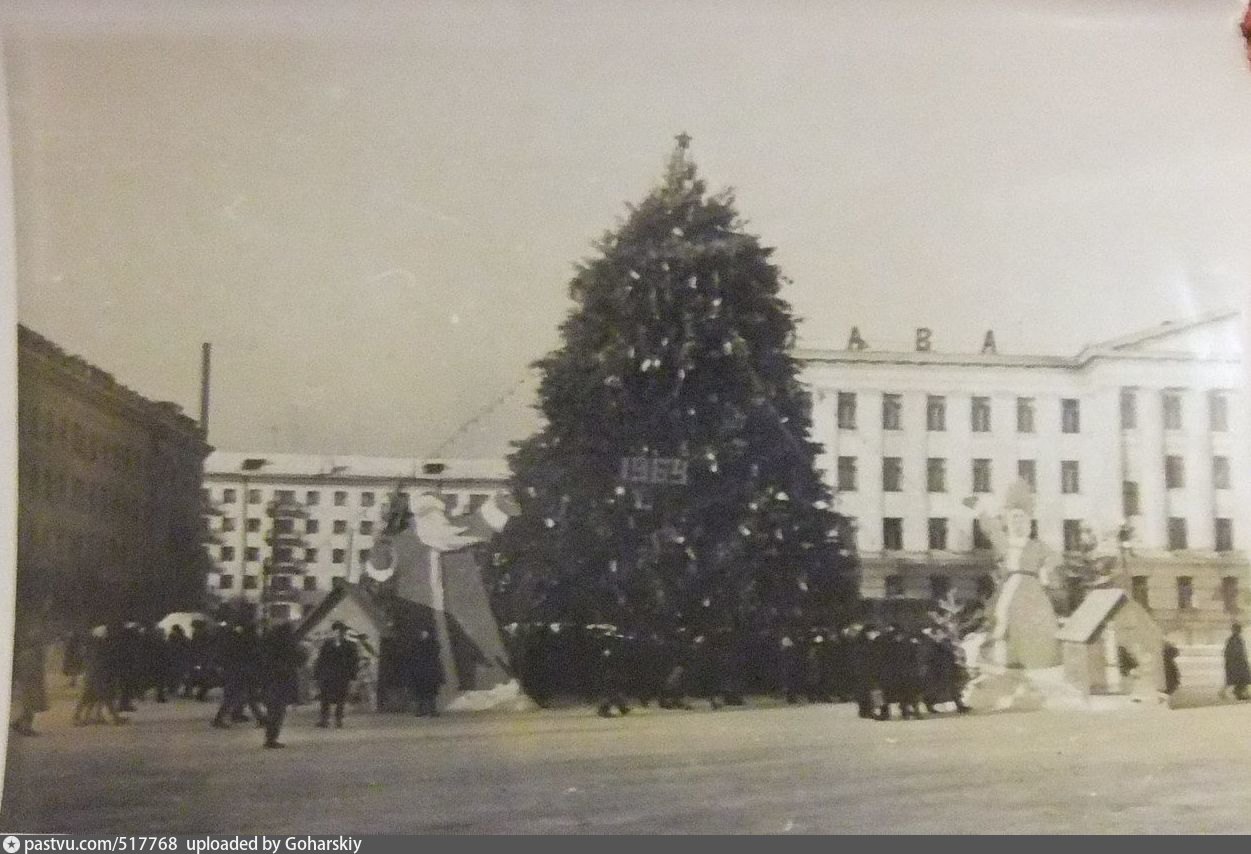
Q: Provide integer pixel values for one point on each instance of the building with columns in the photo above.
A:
(286, 525)
(1145, 434)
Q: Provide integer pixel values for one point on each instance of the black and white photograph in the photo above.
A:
(692, 417)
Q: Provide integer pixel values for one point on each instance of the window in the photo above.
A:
(1172, 410)
(206, 494)
(226, 581)
(892, 412)
(254, 496)
(1174, 472)
(310, 555)
(1176, 534)
(228, 523)
(363, 554)
(284, 495)
(252, 554)
(1070, 482)
(279, 612)
(1027, 470)
(337, 555)
(935, 413)
(1218, 412)
(846, 410)
(938, 534)
(249, 582)
(228, 553)
(1129, 499)
(340, 498)
(1220, 472)
(280, 582)
(254, 525)
(985, 586)
(284, 526)
(936, 474)
(312, 526)
(892, 474)
(1072, 535)
(367, 499)
(367, 527)
(894, 586)
(1185, 592)
(1025, 415)
(1033, 529)
(981, 475)
(340, 526)
(846, 474)
(848, 531)
(312, 498)
(1229, 594)
(940, 586)
(892, 534)
(980, 540)
(282, 555)
(1129, 409)
(310, 582)
(979, 415)
(1224, 530)
(1070, 415)
(1139, 590)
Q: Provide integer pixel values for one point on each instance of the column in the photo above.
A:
(1048, 509)
(1199, 496)
(825, 432)
(869, 469)
(1152, 532)
(1101, 474)
(916, 444)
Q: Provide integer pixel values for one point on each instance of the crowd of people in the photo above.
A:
(882, 670)
(117, 665)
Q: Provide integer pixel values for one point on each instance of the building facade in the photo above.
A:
(1141, 441)
(286, 525)
(109, 521)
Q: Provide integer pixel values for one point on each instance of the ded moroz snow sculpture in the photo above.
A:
(432, 561)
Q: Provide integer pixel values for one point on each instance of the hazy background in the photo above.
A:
(373, 212)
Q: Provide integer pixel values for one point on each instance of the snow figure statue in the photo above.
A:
(431, 561)
(1018, 657)
(1023, 624)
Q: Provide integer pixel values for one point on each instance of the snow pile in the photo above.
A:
(507, 697)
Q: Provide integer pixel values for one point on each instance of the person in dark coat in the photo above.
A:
(30, 696)
(334, 671)
(861, 675)
(1172, 675)
(943, 678)
(610, 676)
(426, 673)
(239, 660)
(1237, 672)
(126, 647)
(178, 662)
(900, 674)
(281, 660)
(101, 680)
(75, 662)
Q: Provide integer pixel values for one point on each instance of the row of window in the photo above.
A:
(312, 497)
(287, 526)
(226, 581)
(84, 443)
(1026, 408)
(1027, 470)
(252, 554)
(940, 586)
(54, 486)
(1075, 534)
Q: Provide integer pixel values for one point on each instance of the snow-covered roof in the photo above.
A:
(269, 466)
(1096, 609)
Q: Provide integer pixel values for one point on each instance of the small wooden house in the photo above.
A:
(1111, 645)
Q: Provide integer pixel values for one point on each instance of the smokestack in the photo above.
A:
(206, 358)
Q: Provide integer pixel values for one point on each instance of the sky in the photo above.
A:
(373, 210)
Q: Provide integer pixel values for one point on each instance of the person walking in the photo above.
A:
(281, 660)
(1172, 674)
(427, 673)
(1237, 671)
(334, 671)
(30, 696)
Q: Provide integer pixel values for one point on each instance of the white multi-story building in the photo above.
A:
(1149, 429)
(285, 525)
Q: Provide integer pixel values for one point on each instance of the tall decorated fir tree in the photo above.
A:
(674, 484)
